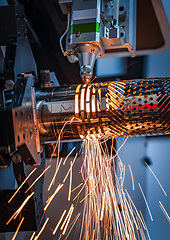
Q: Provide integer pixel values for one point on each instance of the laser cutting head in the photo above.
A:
(98, 27)
(87, 54)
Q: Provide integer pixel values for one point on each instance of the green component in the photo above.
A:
(85, 28)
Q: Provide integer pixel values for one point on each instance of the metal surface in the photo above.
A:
(87, 54)
(114, 109)
(101, 26)
(118, 27)
(55, 108)
(38, 189)
(24, 121)
(128, 108)
(155, 19)
(85, 35)
(121, 37)
(18, 56)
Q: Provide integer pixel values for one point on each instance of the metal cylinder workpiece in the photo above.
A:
(102, 110)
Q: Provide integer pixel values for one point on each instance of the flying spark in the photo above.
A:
(21, 185)
(68, 214)
(156, 179)
(69, 193)
(70, 168)
(58, 224)
(133, 185)
(146, 202)
(74, 222)
(20, 208)
(32, 236)
(69, 218)
(55, 174)
(42, 229)
(68, 155)
(164, 211)
(15, 234)
(53, 195)
(37, 178)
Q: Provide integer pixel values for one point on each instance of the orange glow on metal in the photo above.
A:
(88, 99)
(77, 99)
(93, 100)
(82, 98)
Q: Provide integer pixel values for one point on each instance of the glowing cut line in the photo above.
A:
(42, 229)
(133, 185)
(68, 155)
(76, 104)
(82, 99)
(93, 100)
(37, 178)
(58, 224)
(156, 179)
(99, 100)
(77, 99)
(18, 228)
(21, 185)
(88, 99)
(146, 202)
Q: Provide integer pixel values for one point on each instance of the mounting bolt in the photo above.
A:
(16, 158)
(78, 34)
(9, 85)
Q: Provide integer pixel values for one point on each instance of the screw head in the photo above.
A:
(78, 34)
(9, 85)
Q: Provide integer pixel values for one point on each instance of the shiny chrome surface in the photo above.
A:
(87, 54)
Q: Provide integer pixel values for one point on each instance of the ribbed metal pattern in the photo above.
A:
(102, 110)
(126, 108)
(146, 106)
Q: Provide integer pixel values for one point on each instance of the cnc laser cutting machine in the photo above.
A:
(48, 76)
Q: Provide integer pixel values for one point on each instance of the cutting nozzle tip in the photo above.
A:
(86, 80)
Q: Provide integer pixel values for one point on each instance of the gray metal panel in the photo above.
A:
(81, 5)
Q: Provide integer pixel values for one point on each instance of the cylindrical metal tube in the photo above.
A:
(102, 110)
(56, 110)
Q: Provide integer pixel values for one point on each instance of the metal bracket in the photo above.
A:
(26, 132)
